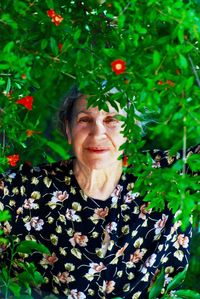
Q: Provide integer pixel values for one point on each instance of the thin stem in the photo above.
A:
(125, 8)
(184, 145)
(194, 71)
(4, 74)
(3, 141)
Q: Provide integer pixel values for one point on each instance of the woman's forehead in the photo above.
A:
(81, 107)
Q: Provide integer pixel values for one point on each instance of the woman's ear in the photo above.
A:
(68, 133)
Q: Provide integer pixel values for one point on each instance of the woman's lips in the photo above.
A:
(97, 149)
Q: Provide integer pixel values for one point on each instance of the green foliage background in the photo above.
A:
(158, 40)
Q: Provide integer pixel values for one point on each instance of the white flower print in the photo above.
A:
(131, 196)
(108, 286)
(71, 215)
(49, 260)
(100, 213)
(36, 223)
(59, 196)
(182, 240)
(112, 226)
(160, 224)
(29, 204)
(144, 211)
(75, 294)
(96, 268)
(117, 192)
(136, 256)
(148, 263)
(64, 277)
(79, 239)
(151, 260)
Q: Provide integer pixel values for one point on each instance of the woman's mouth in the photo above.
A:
(98, 150)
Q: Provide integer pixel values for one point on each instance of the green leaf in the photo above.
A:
(182, 61)
(14, 288)
(156, 59)
(5, 274)
(77, 34)
(5, 216)
(58, 149)
(157, 286)
(54, 46)
(8, 86)
(30, 246)
(50, 4)
(44, 43)
(177, 280)
(38, 278)
(187, 294)
(8, 47)
(4, 241)
(20, 7)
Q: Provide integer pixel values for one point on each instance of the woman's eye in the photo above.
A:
(110, 120)
(84, 119)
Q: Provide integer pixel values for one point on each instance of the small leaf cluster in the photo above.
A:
(16, 277)
(172, 290)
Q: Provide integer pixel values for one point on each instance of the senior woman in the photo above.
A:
(103, 240)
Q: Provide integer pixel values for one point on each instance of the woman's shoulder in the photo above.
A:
(26, 172)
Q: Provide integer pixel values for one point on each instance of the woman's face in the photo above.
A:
(95, 135)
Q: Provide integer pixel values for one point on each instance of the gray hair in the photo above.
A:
(65, 112)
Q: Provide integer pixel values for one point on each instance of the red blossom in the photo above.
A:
(51, 13)
(26, 102)
(168, 82)
(57, 19)
(125, 161)
(60, 47)
(13, 159)
(118, 66)
(171, 83)
(29, 132)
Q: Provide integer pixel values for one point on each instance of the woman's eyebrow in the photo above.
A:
(88, 112)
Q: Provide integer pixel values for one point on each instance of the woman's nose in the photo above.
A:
(98, 128)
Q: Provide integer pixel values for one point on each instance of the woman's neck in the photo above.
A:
(97, 183)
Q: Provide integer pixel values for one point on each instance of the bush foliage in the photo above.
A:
(148, 50)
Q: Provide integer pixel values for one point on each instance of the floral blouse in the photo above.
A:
(99, 249)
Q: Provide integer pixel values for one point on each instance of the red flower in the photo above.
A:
(60, 47)
(26, 102)
(57, 19)
(29, 132)
(160, 82)
(118, 66)
(51, 13)
(125, 161)
(171, 83)
(13, 159)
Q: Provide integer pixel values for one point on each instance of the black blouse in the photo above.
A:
(99, 249)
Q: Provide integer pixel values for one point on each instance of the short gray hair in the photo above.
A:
(65, 112)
